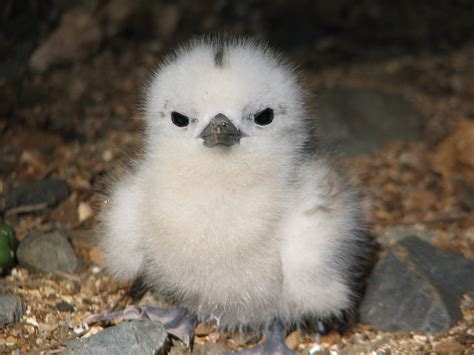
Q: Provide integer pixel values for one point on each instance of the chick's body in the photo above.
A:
(243, 234)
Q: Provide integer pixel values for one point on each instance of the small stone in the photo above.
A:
(330, 338)
(12, 309)
(453, 156)
(293, 340)
(48, 252)
(107, 155)
(451, 348)
(10, 341)
(64, 306)
(84, 211)
(66, 213)
(416, 287)
(135, 337)
(49, 192)
(203, 329)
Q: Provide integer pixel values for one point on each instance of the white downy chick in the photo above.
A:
(234, 213)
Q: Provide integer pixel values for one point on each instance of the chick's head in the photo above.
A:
(224, 97)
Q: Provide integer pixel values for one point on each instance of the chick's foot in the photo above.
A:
(274, 343)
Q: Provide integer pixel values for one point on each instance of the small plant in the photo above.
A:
(8, 245)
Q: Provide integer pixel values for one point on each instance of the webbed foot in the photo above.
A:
(274, 343)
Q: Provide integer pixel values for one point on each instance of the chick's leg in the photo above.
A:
(177, 322)
(274, 342)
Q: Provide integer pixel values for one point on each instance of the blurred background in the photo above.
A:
(393, 90)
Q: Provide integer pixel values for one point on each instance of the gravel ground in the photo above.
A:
(83, 131)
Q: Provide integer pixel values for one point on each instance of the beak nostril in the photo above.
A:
(220, 131)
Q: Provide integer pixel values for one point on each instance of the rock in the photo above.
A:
(83, 28)
(64, 306)
(390, 236)
(453, 156)
(359, 121)
(136, 337)
(416, 287)
(169, 16)
(450, 348)
(49, 192)
(78, 35)
(66, 213)
(48, 252)
(12, 309)
(293, 340)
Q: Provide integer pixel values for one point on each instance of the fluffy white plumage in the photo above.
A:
(261, 230)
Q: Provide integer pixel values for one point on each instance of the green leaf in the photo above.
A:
(6, 254)
(7, 231)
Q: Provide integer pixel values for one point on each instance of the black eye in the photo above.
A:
(264, 117)
(179, 119)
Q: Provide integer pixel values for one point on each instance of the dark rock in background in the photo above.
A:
(358, 121)
(135, 337)
(334, 31)
(417, 287)
(83, 28)
(49, 192)
(12, 309)
(22, 23)
(48, 252)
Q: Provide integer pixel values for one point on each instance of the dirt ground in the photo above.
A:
(80, 122)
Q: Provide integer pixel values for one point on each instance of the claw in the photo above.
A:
(184, 332)
(177, 322)
(274, 343)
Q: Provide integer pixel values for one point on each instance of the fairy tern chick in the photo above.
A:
(234, 213)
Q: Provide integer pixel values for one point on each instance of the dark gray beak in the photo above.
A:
(220, 131)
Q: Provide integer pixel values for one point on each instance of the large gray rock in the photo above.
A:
(48, 252)
(135, 337)
(11, 309)
(416, 287)
(49, 192)
(359, 121)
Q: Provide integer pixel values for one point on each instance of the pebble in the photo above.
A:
(12, 309)
(48, 252)
(135, 337)
(415, 287)
(293, 340)
(84, 211)
(450, 347)
(49, 192)
(64, 306)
